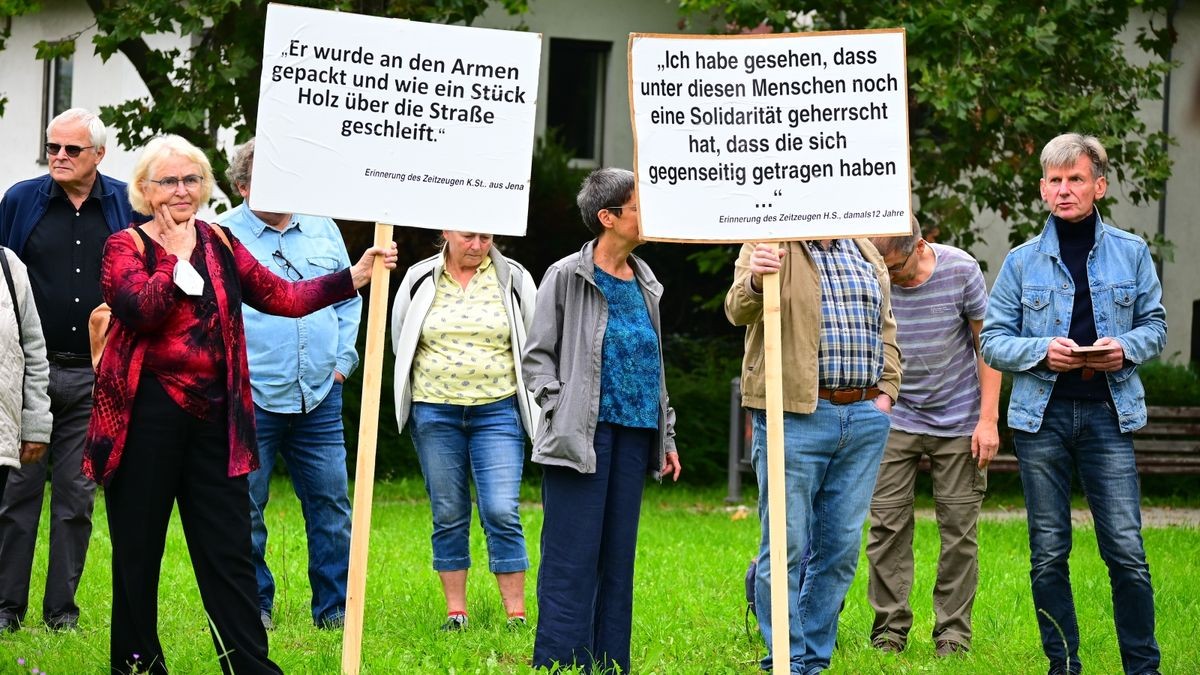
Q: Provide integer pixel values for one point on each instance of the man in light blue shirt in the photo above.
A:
(297, 367)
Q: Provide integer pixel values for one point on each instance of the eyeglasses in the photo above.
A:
(290, 269)
(631, 207)
(72, 150)
(191, 182)
(892, 269)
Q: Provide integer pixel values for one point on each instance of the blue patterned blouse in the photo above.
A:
(629, 366)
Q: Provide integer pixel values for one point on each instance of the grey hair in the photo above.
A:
(87, 118)
(1066, 149)
(241, 165)
(603, 188)
(902, 243)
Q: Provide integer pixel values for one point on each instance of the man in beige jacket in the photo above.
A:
(841, 373)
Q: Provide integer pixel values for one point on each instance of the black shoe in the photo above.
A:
(944, 648)
(63, 623)
(9, 624)
(1062, 669)
(887, 644)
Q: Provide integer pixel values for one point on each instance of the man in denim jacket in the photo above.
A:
(1076, 396)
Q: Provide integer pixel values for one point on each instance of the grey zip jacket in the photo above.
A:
(562, 362)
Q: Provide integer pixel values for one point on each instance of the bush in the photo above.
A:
(1170, 384)
(698, 374)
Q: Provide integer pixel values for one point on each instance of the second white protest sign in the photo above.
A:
(770, 137)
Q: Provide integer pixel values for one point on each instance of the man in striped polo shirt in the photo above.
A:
(947, 409)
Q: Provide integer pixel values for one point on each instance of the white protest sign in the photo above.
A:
(771, 137)
(395, 121)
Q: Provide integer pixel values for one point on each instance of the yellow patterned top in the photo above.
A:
(465, 354)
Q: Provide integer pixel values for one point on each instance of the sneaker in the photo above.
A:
(887, 645)
(1062, 669)
(9, 624)
(63, 623)
(455, 622)
(945, 648)
(267, 622)
(516, 623)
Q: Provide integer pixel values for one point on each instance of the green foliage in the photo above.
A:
(553, 227)
(698, 376)
(1169, 384)
(394, 453)
(990, 82)
(214, 82)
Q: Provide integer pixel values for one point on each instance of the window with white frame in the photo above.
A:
(57, 75)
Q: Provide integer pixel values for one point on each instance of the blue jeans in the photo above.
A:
(589, 544)
(1085, 436)
(313, 447)
(831, 459)
(486, 444)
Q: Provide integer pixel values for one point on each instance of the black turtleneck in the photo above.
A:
(1075, 241)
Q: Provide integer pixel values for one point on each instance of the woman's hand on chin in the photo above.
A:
(179, 238)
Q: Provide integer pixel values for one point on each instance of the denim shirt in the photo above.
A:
(1031, 304)
(292, 361)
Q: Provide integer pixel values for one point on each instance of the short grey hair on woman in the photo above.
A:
(1066, 149)
(902, 243)
(603, 188)
(241, 165)
(89, 119)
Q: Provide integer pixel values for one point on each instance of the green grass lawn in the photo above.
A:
(688, 608)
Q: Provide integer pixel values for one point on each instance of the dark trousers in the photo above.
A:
(71, 497)
(1085, 437)
(589, 539)
(171, 456)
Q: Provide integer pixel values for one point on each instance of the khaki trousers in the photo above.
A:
(958, 489)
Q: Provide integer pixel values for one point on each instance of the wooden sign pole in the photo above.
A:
(364, 473)
(781, 652)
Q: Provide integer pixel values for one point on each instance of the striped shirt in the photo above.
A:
(940, 392)
(851, 346)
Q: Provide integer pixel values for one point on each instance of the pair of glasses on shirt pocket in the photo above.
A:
(292, 271)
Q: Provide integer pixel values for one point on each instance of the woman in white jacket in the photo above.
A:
(458, 327)
(25, 418)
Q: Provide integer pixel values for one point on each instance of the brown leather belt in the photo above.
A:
(845, 395)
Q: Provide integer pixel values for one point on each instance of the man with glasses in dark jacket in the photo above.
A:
(57, 225)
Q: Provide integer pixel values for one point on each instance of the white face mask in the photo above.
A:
(188, 279)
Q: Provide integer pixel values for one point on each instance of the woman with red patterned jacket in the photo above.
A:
(173, 417)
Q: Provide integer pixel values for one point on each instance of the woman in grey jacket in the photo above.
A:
(25, 418)
(594, 364)
(459, 323)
